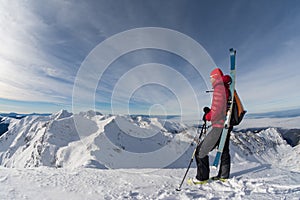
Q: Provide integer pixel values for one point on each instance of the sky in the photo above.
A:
(149, 57)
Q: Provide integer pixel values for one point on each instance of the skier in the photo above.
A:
(216, 115)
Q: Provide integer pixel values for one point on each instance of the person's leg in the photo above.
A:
(224, 170)
(210, 141)
(202, 167)
(202, 160)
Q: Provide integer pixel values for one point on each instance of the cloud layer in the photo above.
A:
(43, 45)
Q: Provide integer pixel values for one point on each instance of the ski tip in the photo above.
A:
(232, 51)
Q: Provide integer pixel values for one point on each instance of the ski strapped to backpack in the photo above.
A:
(229, 112)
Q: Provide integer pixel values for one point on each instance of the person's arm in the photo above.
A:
(218, 107)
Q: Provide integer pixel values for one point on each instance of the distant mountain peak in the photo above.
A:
(62, 114)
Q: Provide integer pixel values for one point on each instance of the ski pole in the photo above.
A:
(203, 129)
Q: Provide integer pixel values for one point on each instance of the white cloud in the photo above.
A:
(151, 82)
(27, 72)
(273, 82)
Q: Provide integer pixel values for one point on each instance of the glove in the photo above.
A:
(205, 110)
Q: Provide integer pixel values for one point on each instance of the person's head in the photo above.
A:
(215, 74)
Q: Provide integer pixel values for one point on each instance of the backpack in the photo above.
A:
(238, 111)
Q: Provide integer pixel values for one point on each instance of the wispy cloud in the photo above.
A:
(44, 43)
(27, 72)
(154, 83)
(272, 81)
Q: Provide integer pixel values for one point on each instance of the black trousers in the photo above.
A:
(208, 144)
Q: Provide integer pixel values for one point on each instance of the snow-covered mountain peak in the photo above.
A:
(90, 114)
(61, 114)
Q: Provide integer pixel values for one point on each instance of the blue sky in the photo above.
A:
(44, 43)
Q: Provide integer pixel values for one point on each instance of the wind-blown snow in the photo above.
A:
(44, 157)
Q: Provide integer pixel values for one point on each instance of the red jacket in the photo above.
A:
(218, 109)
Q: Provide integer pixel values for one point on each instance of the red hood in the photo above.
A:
(226, 80)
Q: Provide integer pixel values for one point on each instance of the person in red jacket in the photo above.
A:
(216, 114)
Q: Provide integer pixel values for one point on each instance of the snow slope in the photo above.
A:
(66, 156)
(249, 181)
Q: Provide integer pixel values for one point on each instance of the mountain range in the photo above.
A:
(91, 139)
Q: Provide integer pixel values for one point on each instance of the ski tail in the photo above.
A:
(217, 159)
